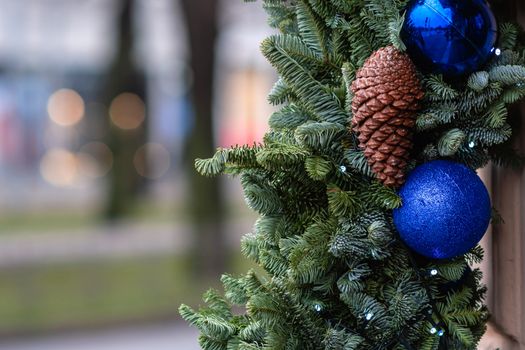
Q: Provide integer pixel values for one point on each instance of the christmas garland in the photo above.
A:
(370, 206)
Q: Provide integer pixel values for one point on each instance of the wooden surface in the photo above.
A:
(504, 265)
(506, 244)
(508, 252)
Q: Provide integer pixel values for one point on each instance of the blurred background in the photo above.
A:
(105, 228)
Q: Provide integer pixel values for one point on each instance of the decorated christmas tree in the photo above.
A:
(370, 207)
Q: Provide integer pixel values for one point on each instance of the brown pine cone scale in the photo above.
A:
(386, 99)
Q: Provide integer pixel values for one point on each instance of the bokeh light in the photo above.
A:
(95, 160)
(65, 107)
(127, 111)
(59, 167)
(152, 160)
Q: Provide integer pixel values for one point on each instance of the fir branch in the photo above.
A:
(513, 94)
(289, 117)
(254, 332)
(507, 57)
(281, 15)
(317, 167)
(250, 247)
(438, 89)
(380, 234)
(281, 93)
(312, 29)
(496, 115)
(242, 156)
(343, 203)
(274, 262)
(319, 136)
(280, 156)
(382, 196)
(212, 166)
(268, 228)
(338, 46)
(346, 7)
(339, 339)
(489, 137)
(357, 160)
(450, 142)
(349, 72)
(394, 28)
(366, 237)
(508, 34)
(435, 116)
(508, 75)
(474, 158)
(405, 298)
(279, 309)
(259, 195)
(279, 137)
(234, 288)
(471, 103)
(462, 333)
(430, 341)
(283, 51)
(353, 279)
(208, 343)
(352, 247)
(452, 270)
(215, 330)
(475, 255)
(429, 153)
(362, 305)
(379, 12)
(323, 8)
(189, 315)
(478, 80)
(217, 304)
(361, 38)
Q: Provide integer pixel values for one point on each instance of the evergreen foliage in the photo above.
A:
(336, 275)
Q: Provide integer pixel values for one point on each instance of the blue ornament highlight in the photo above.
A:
(446, 210)
(449, 37)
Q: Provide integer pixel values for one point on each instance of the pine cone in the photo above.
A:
(386, 98)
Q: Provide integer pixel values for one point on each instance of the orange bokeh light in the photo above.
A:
(127, 111)
(65, 107)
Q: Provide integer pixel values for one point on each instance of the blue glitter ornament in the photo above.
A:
(446, 210)
(449, 37)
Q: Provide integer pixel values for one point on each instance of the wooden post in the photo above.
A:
(507, 242)
(505, 263)
(508, 309)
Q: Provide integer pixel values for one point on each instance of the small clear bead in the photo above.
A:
(369, 316)
(520, 85)
(318, 307)
(433, 272)
(498, 52)
(472, 144)
(441, 332)
(342, 168)
(433, 330)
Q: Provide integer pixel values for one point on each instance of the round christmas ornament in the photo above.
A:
(449, 37)
(446, 210)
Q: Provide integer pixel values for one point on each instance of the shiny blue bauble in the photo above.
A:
(449, 37)
(446, 210)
